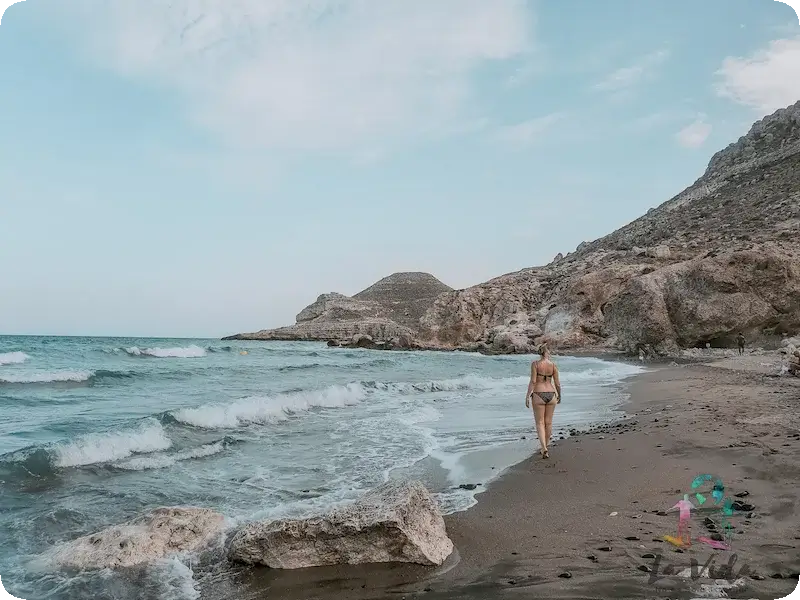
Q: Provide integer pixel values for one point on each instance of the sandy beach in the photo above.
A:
(589, 522)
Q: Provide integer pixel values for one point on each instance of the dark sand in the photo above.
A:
(545, 518)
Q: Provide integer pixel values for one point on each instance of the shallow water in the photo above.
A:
(95, 431)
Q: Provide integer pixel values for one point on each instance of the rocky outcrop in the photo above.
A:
(389, 309)
(718, 259)
(161, 533)
(397, 522)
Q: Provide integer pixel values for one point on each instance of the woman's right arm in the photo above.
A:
(531, 385)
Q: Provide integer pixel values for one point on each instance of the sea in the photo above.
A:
(97, 431)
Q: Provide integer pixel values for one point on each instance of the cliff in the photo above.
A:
(721, 257)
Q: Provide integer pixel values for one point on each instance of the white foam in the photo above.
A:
(188, 352)
(468, 382)
(99, 448)
(54, 377)
(164, 461)
(13, 358)
(176, 580)
(262, 409)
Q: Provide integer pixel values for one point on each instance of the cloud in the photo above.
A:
(527, 132)
(765, 81)
(627, 77)
(319, 75)
(694, 135)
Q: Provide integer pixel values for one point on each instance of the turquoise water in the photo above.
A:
(96, 431)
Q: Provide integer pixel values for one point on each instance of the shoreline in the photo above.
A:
(541, 521)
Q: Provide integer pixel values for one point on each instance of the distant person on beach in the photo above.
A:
(740, 341)
(544, 391)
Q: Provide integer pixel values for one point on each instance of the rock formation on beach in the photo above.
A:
(722, 257)
(391, 308)
(397, 522)
(159, 534)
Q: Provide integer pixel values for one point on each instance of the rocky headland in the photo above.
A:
(722, 257)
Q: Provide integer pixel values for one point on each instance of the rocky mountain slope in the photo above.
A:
(721, 257)
(391, 308)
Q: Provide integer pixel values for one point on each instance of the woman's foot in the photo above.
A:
(545, 453)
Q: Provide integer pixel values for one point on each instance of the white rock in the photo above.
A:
(157, 535)
(397, 522)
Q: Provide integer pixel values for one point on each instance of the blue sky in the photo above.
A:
(204, 167)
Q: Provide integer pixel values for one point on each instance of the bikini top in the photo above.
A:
(542, 375)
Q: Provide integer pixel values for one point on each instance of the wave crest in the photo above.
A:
(263, 409)
(13, 358)
(188, 352)
(164, 461)
(96, 448)
(53, 377)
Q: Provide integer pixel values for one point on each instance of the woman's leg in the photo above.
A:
(549, 409)
(539, 415)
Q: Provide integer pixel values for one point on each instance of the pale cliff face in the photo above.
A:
(718, 258)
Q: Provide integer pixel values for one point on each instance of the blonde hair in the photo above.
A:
(544, 350)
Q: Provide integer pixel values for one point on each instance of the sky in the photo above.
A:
(207, 167)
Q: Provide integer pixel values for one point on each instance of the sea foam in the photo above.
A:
(13, 358)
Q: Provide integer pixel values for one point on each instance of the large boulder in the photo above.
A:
(157, 535)
(397, 522)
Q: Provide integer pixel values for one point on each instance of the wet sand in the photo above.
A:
(545, 528)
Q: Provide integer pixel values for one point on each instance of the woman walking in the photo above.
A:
(544, 392)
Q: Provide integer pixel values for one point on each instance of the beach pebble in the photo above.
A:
(632, 538)
(593, 558)
(644, 568)
(744, 494)
(468, 486)
(566, 575)
(605, 549)
(742, 506)
(757, 577)
(613, 514)
(648, 555)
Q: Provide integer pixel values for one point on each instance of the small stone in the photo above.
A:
(605, 549)
(592, 558)
(744, 494)
(632, 538)
(644, 568)
(777, 576)
(648, 555)
(757, 577)
(566, 575)
(468, 486)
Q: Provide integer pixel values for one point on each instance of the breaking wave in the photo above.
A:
(13, 358)
(97, 448)
(53, 377)
(265, 409)
(188, 352)
(90, 449)
(64, 377)
(164, 461)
